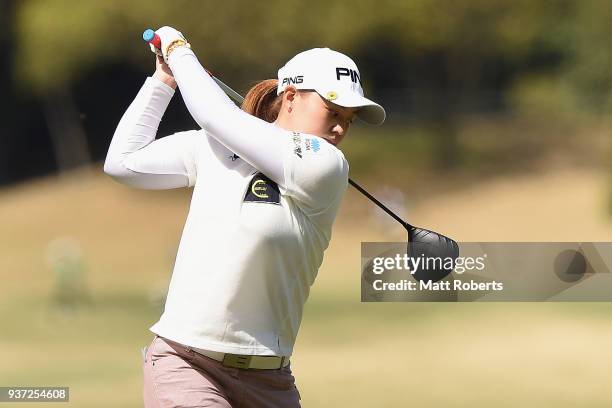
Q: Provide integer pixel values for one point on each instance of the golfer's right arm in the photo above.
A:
(136, 159)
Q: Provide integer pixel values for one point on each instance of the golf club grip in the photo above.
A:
(152, 38)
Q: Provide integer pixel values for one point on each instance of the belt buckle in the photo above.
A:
(236, 360)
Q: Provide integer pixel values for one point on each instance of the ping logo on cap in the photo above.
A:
(293, 80)
(340, 72)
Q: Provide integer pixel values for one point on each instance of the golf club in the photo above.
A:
(421, 242)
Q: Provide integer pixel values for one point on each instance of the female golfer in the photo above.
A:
(267, 181)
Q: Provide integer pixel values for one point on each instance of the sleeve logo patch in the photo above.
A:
(311, 145)
(297, 144)
(262, 190)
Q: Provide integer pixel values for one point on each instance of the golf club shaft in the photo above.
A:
(235, 96)
(379, 204)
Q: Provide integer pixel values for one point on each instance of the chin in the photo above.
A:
(329, 140)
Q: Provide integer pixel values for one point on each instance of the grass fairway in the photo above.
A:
(348, 353)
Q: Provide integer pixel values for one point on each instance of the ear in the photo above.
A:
(290, 93)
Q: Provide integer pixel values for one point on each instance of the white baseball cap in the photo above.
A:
(334, 76)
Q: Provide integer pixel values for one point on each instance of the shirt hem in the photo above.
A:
(218, 346)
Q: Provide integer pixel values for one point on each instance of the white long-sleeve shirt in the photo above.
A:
(257, 226)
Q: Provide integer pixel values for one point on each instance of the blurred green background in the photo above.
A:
(498, 130)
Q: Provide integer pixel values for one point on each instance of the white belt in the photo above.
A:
(243, 360)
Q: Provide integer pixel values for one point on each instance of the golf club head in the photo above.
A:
(428, 244)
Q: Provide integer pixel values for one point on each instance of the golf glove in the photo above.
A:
(170, 38)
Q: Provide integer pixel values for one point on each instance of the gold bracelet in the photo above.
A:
(175, 44)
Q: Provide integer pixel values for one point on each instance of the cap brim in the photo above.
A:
(373, 114)
(369, 111)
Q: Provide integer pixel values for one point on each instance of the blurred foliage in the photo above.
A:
(589, 67)
(544, 95)
(432, 62)
(60, 39)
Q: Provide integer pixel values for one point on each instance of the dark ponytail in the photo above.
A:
(261, 100)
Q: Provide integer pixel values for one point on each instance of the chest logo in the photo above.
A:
(259, 188)
(262, 190)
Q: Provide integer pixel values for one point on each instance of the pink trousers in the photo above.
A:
(175, 376)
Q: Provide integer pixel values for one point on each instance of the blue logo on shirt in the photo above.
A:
(312, 145)
(315, 145)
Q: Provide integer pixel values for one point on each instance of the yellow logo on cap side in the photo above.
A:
(332, 96)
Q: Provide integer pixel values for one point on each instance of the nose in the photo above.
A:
(339, 129)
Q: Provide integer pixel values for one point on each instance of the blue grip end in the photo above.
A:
(148, 35)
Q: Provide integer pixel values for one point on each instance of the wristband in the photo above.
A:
(175, 44)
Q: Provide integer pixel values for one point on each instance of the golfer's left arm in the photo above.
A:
(256, 141)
